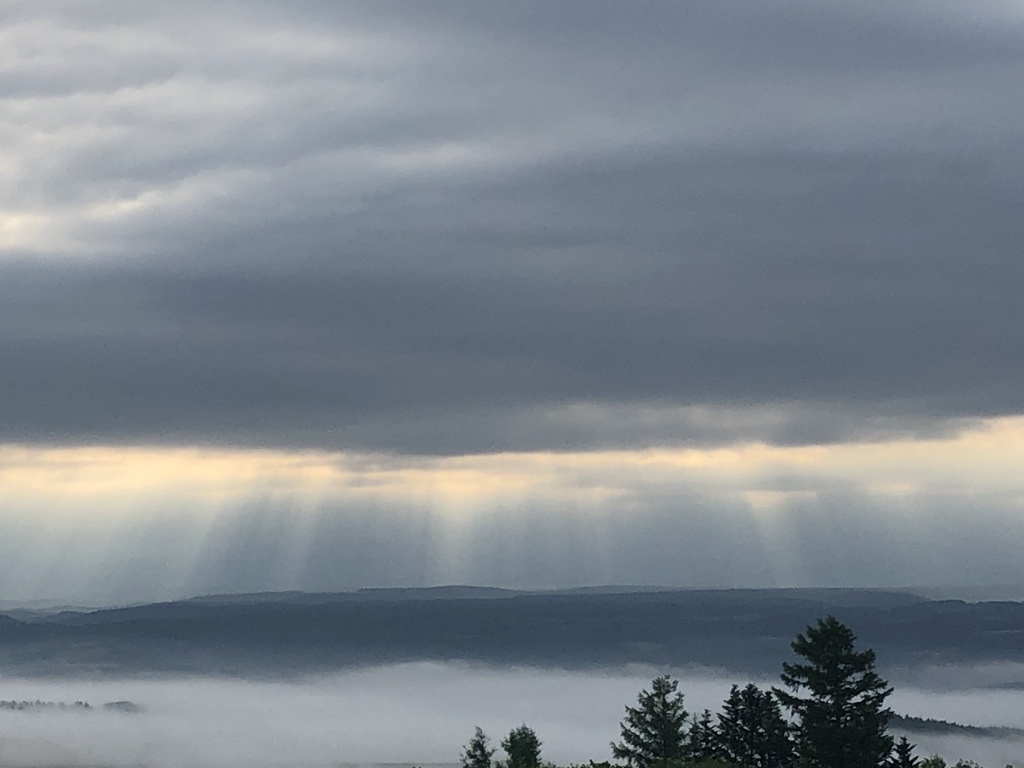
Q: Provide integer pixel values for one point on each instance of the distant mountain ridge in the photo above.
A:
(744, 630)
(837, 595)
(449, 592)
(909, 724)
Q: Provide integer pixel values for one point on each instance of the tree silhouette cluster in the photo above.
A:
(749, 731)
(521, 746)
(829, 713)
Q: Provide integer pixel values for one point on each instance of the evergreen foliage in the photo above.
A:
(654, 732)
(522, 747)
(834, 694)
(478, 753)
(752, 730)
(903, 755)
(842, 719)
(702, 740)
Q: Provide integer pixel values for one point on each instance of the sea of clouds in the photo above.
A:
(410, 713)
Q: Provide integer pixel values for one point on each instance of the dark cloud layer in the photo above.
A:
(460, 228)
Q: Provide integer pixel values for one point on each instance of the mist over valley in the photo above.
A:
(412, 713)
(402, 676)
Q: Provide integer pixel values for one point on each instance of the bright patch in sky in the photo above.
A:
(76, 518)
(328, 295)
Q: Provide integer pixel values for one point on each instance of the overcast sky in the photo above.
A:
(737, 284)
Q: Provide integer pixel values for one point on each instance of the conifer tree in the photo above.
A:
(842, 719)
(903, 755)
(478, 753)
(702, 740)
(522, 747)
(654, 732)
(752, 730)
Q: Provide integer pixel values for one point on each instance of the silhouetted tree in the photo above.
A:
(522, 747)
(702, 740)
(654, 732)
(752, 730)
(478, 753)
(903, 755)
(841, 722)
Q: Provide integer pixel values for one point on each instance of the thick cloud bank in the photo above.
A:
(459, 228)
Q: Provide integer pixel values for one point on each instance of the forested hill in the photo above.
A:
(918, 725)
(744, 631)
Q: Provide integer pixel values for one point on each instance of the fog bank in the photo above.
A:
(410, 713)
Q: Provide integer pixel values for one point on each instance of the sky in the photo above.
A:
(328, 295)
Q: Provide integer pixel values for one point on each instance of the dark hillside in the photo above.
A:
(746, 631)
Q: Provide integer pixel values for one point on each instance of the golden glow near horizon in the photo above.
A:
(129, 524)
(119, 481)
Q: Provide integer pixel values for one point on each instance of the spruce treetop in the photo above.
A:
(842, 717)
(654, 732)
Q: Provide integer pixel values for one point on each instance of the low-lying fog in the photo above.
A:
(411, 713)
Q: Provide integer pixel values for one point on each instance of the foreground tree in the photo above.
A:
(522, 747)
(478, 753)
(752, 731)
(654, 732)
(842, 719)
(702, 740)
(903, 755)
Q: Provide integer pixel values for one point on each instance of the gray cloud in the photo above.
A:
(462, 228)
